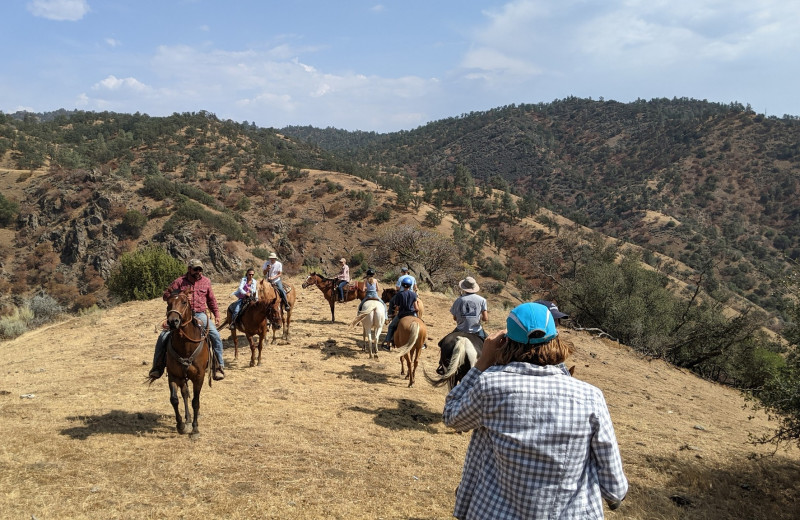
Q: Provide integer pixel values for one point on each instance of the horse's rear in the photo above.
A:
(411, 333)
(372, 318)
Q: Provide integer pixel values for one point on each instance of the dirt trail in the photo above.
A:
(321, 431)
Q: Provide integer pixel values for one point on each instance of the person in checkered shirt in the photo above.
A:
(543, 445)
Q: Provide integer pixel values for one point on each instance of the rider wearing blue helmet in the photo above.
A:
(405, 303)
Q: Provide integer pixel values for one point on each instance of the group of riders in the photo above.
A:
(469, 310)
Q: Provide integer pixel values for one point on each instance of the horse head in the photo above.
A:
(312, 279)
(179, 308)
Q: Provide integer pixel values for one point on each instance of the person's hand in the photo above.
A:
(491, 345)
(216, 321)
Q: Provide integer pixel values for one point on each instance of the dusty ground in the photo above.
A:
(320, 431)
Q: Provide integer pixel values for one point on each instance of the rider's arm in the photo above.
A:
(485, 316)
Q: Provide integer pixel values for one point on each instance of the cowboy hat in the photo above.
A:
(469, 285)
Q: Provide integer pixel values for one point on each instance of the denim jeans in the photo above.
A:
(281, 291)
(341, 289)
(213, 334)
(393, 326)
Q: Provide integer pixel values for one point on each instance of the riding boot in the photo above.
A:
(160, 357)
(232, 325)
(285, 302)
(219, 373)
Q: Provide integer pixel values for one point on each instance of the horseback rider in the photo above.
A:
(404, 274)
(343, 277)
(469, 309)
(202, 298)
(273, 270)
(247, 289)
(371, 290)
(406, 303)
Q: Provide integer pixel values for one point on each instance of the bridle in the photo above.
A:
(186, 362)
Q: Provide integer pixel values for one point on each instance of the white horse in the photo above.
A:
(372, 318)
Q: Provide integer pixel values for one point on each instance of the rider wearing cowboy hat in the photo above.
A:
(469, 309)
(273, 270)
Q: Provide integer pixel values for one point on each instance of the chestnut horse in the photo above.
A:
(188, 350)
(411, 334)
(268, 291)
(328, 288)
(251, 321)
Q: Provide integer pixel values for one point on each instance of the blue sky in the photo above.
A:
(391, 65)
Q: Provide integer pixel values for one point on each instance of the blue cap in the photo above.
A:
(406, 281)
(531, 324)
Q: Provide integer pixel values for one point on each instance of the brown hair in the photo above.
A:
(553, 352)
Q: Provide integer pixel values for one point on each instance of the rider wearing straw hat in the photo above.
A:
(273, 270)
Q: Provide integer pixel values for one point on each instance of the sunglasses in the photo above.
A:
(198, 269)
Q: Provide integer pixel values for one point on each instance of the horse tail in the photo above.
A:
(358, 319)
(412, 339)
(463, 349)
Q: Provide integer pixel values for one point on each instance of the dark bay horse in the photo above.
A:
(410, 335)
(251, 321)
(188, 357)
(268, 292)
(328, 288)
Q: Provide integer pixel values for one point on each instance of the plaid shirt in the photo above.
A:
(202, 297)
(543, 445)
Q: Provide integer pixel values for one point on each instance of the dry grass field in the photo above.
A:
(320, 431)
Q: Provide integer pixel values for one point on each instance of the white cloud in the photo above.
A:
(114, 83)
(377, 8)
(60, 10)
(111, 42)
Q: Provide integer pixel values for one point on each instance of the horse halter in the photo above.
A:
(188, 303)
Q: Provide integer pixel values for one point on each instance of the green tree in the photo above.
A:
(133, 222)
(8, 210)
(144, 274)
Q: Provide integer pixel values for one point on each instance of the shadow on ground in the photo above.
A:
(408, 415)
(115, 421)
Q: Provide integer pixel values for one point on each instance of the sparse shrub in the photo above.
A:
(335, 209)
(12, 326)
(382, 215)
(133, 223)
(286, 192)
(45, 308)
(143, 274)
(260, 252)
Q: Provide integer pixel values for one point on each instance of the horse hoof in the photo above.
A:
(195, 434)
(252, 364)
(181, 429)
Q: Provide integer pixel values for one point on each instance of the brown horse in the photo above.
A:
(268, 291)
(328, 288)
(251, 321)
(188, 357)
(411, 333)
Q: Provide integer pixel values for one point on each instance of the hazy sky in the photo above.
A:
(397, 64)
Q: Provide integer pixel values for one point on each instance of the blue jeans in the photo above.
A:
(340, 288)
(213, 334)
(281, 291)
(237, 306)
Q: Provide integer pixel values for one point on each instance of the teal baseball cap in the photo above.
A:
(531, 324)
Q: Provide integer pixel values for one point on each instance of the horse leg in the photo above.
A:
(197, 385)
(402, 366)
(332, 301)
(286, 324)
(185, 395)
(412, 371)
(235, 345)
(260, 346)
(252, 350)
(173, 398)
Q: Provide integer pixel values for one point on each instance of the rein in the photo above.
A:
(187, 362)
